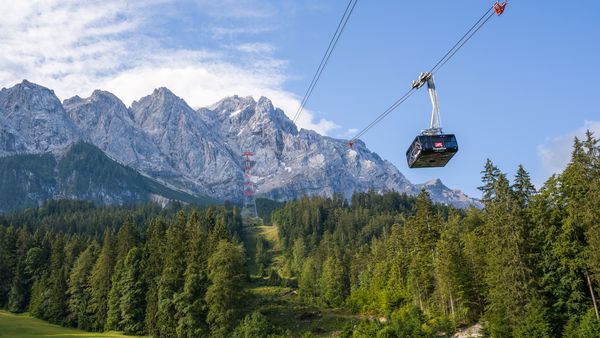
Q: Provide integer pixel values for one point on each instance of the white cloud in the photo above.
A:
(256, 47)
(555, 154)
(74, 49)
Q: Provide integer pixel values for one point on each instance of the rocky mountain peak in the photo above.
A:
(27, 96)
(32, 120)
(231, 104)
(200, 151)
(159, 110)
(101, 107)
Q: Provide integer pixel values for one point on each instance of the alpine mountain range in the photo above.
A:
(170, 151)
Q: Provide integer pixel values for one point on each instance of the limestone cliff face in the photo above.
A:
(198, 151)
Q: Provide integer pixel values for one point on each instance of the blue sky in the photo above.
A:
(517, 93)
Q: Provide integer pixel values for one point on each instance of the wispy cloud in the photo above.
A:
(74, 49)
(555, 154)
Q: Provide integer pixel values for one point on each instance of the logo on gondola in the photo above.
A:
(438, 144)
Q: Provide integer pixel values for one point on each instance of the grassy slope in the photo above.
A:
(24, 326)
(279, 303)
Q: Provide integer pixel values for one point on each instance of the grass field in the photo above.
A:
(276, 299)
(280, 303)
(24, 326)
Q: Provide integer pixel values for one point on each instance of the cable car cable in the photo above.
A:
(325, 59)
(457, 46)
(433, 69)
(467, 40)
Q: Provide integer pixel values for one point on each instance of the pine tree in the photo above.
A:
(153, 258)
(422, 232)
(99, 283)
(491, 173)
(191, 305)
(57, 299)
(18, 297)
(127, 239)
(38, 305)
(78, 288)
(454, 276)
(253, 325)
(132, 303)
(172, 278)
(523, 188)
(572, 290)
(113, 315)
(298, 256)
(308, 279)
(7, 262)
(225, 294)
(534, 324)
(334, 280)
(507, 275)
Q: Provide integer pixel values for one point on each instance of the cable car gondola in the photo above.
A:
(432, 148)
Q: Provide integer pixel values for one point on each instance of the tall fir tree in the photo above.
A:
(8, 241)
(522, 187)
(78, 288)
(508, 275)
(153, 257)
(491, 173)
(191, 305)
(132, 303)
(18, 297)
(99, 283)
(172, 278)
(127, 238)
(57, 299)
(224, 295)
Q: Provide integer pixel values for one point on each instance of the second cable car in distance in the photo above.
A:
(432, 148)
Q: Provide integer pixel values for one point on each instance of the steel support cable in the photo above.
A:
(457, 46)
(325, 59)
(464, 42)
(383, 115)
(433, 69)
(312, 82)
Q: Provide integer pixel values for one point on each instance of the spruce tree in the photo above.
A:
(7, 262)
(224, 295)
(153, 258)
(113, 315)
(334, 280)
(132, 303)
(508, 275)
(308, 279)
(191, 305)
(99, 283)
(127, 238)
(57, 299)
(78, 288)
(18, 297)
(422, 232)
(491, 173)
(172, 278)
(522, 187)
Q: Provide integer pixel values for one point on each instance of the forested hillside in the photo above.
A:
(150, 271)
(527, 265)
(380, 265)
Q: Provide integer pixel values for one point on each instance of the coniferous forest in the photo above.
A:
(526, 265)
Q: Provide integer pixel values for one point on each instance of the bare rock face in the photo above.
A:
(292, 163)
(200, 157)
(33, 121)
(199, 151)
(106, 122)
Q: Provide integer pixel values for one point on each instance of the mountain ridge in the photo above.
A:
(198, 150)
